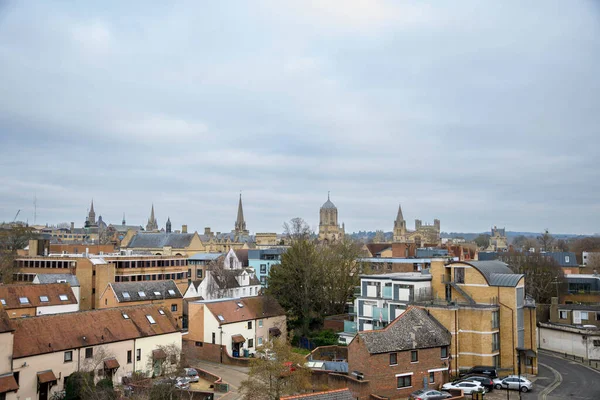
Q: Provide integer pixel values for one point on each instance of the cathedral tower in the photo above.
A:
(152, 224)
(329, 229)
(399, 227)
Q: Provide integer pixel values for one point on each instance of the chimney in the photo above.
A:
(183, 228)
(72, 227)
(207, 230)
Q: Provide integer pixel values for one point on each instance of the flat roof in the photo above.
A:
(399, 260)
(401, 276)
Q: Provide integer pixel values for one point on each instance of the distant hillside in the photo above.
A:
(369, 235)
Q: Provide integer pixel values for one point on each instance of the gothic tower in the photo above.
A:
(399, 227)
(90, 220)
(168, 225)
(240, 223)
(152, 224)
(329, 230)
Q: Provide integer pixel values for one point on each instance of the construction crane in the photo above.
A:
(16, 215)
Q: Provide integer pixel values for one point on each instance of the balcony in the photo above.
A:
(350, 327)
(387, 292)
(380, 313)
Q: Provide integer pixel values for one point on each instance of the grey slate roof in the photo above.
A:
(58, 278)
(205, 256)
(148, 287)
(328, 204)
(155, 240)
(579, 307)
(563, 258)
(228, 279)
(414, 329)
(496, 272)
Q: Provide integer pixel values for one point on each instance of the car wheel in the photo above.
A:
(524, 389)
(498, 386)
(486, 389)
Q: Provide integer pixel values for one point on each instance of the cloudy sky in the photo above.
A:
(478, 113)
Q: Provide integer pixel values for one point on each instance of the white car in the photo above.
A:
(467, 387)
(513, 382)
(192, 374)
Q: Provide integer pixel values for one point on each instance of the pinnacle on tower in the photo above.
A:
(240, 223)
(123, 222)
(399, 217)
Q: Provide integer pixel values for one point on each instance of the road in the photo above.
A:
(229, 374)
(567, 380)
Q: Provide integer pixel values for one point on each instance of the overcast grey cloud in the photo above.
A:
(476, 113)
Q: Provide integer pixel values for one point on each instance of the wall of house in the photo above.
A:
(6, 349)
(30, 366)
(196, 331)
(383, 376)
(267, 323)
(238, 328)
(64, 308)
(150, 343)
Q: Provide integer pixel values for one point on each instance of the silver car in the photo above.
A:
(513, 382)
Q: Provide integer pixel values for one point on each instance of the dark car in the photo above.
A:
(485, 381)
(429, 394)
(482, 370)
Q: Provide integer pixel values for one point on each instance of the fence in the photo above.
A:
(590, 363)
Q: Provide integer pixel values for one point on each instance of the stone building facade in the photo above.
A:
(423, 235)
(329, 229)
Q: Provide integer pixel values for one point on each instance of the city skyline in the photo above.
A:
(475, 114)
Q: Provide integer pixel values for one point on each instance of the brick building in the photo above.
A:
(410, 353)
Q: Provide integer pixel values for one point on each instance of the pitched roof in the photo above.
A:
(58, 278)
(414, 329)
(242, 255)
(496, 272)
(256, 307)
(563, 258)
(227, 278)
(375, 248)
(338, 394)
(155, 240)
(27, 296)
(205, 256)
(59, 332)
(152, 290)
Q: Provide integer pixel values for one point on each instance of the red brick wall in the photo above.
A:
(382, 377)
(210, 352)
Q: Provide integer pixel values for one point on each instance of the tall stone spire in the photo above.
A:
(168, 225)
(123, 222)
(152, 224)
(399, 226)
(240, 223)
(92, 214)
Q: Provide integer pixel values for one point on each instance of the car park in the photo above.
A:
(514, 382)
(467, 387)
(428, 394)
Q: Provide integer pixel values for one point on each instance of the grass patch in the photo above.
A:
(298, 350)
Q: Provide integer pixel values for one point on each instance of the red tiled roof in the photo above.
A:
(12, 293)
(8, 383)
(111, 363)
(50, 333)
(46, 376)
(256, 307)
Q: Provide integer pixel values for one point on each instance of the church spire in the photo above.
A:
(168, 224)
(91, 215)
(400, 217)
(92, 207)
(123, 222)
(240, 223)
(152, 224)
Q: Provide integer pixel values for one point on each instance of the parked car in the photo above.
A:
(514, 382)
(467, 387)
(183, 383)
(492, 372)
(192, 374)
(266, 354)
(427, 394)
(485, 381)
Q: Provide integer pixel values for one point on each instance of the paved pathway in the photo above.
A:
(572, 380)
(232, 375)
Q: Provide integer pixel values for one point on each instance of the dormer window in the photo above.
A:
(220, 317)
(23, 300)
(44, 299)
(240, 305)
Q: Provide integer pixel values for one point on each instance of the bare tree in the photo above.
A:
(278, 375)
(217, 278)
(13, 238)
(297, 229)
(546, 240)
